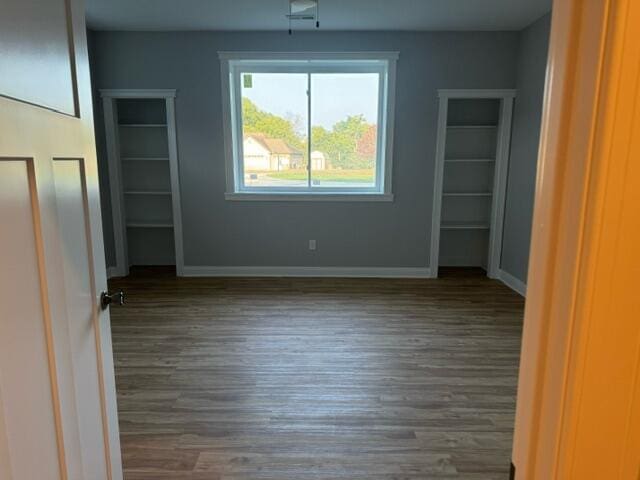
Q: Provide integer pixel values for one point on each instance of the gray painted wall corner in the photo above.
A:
(523, 162)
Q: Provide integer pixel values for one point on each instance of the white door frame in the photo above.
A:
(506, 97)
(109, 97)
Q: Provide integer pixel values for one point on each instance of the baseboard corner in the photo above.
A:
(512, 282)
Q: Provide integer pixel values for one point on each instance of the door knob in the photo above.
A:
(107, 299)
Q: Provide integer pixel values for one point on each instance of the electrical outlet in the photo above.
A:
(312, 244)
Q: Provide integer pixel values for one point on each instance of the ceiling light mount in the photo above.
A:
(303, 10)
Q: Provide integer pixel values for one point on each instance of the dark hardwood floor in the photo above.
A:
(295, 379)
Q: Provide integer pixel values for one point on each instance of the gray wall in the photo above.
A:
(227, 233)
(103, 169)
(532, 62)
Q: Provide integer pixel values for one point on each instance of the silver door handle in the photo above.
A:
(107, 299)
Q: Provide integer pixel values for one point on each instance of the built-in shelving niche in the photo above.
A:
(142, 130)
(143, 146)
(471, 129)
(467, 187)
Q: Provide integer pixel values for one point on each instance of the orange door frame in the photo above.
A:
(578, 412)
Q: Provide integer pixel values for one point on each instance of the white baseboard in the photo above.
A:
(346, 272)
(513, 283)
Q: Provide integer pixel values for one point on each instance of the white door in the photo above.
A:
(57, 395)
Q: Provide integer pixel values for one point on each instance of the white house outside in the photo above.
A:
(262, 153)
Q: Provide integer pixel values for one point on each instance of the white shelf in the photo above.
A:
(143, 125)
(142, 192)
(467, 194)
(470, 160)
(149, 225)
(142, 146)
(145, 159)
(464, 226)
(471, 127)
(470, 177)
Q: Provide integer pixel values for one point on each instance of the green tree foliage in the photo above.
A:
(345, 145)
(258, 121)
(322, 141)
(340, 145)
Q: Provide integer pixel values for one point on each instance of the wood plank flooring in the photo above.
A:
(324, 379)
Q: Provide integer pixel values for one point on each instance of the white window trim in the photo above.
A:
(233, 146)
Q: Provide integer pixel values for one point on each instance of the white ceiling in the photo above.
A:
(334, 14)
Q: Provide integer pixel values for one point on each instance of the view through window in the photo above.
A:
(305, 127)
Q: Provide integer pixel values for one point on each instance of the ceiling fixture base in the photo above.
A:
(303, 10)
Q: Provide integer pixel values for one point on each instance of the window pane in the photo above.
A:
(274, 129)
(344, 130)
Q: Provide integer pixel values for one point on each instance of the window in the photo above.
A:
(308, 126)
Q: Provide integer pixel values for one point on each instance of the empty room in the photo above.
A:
(318, 239)
(308, 194)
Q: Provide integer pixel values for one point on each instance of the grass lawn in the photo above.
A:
(364, 176)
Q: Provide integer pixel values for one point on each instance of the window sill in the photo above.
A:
(309, 197)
